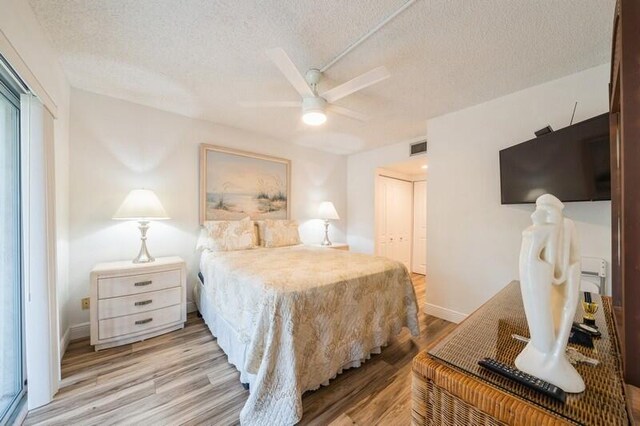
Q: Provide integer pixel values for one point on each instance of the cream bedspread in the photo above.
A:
(303, 313)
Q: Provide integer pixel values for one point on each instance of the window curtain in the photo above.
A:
(39, 245)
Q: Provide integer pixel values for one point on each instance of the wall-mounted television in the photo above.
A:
(571, 163)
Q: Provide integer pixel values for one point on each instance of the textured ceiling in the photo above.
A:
(200, 58)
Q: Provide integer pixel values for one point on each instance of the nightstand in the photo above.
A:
(136, 301)
(335, 246)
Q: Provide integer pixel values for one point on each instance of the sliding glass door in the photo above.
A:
(12, 372)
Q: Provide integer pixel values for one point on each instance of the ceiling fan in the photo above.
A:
(315, 105)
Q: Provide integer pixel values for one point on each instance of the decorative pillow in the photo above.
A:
(278, 233)
(227, 235)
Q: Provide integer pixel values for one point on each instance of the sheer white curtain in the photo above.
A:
(39, 261)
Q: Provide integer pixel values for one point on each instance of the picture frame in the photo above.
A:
(235, 184)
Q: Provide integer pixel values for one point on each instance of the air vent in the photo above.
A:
(418, 148)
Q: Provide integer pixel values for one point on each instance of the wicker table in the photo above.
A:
(449, 388)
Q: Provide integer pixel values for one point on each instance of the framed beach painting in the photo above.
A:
(236, 184)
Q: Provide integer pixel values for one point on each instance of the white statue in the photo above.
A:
(550, 285)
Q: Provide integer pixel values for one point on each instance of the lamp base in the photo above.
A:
(326, 241)
(143, 254)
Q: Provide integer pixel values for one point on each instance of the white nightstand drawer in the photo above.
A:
(134, 284)
(136, 323)
(131, 302)
(127, 305)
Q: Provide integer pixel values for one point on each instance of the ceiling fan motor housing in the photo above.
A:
(316, 104)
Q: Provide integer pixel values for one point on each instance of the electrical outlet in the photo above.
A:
(85, 303)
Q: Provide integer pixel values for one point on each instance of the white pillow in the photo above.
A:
(227, 235)
(278, 233)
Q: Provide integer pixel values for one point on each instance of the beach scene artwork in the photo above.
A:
(241, 185)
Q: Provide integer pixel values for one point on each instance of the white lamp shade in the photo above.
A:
(141, 204)
(327, 211)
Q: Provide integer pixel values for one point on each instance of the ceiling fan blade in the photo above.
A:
(365, 80)
(284, 64)
(270, 104)
(348, 112)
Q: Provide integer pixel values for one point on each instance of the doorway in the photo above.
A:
(400, 213)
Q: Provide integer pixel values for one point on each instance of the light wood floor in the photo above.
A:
(184, 378)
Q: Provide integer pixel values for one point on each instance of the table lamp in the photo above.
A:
(142, 205)
(328, 212)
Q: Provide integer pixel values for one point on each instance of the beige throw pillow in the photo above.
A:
(279, 233)
(227, 235)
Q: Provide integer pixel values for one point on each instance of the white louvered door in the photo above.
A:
(394, 212)
(420, 227)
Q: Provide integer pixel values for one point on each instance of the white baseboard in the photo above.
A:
(74, 332)
(64, 342)
(78, 331)
(444, 313)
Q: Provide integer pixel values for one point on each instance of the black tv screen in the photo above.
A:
(571, 163)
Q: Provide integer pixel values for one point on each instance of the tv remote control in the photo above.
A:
(523, 378)
(587, 329)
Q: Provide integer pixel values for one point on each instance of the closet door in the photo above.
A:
(394, 217)
(420, 227)
(391, 211)
(403, 221)
(382, 237)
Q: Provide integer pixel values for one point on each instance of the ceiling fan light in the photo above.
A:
(314, 118)
(313, 111)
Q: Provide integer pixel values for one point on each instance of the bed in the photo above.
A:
(292, 318)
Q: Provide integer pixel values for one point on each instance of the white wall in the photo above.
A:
(117, 146)
(473, 241)
(361, 178)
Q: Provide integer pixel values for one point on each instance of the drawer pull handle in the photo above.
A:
(143, 302)
(144, 321)
(143, 283)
